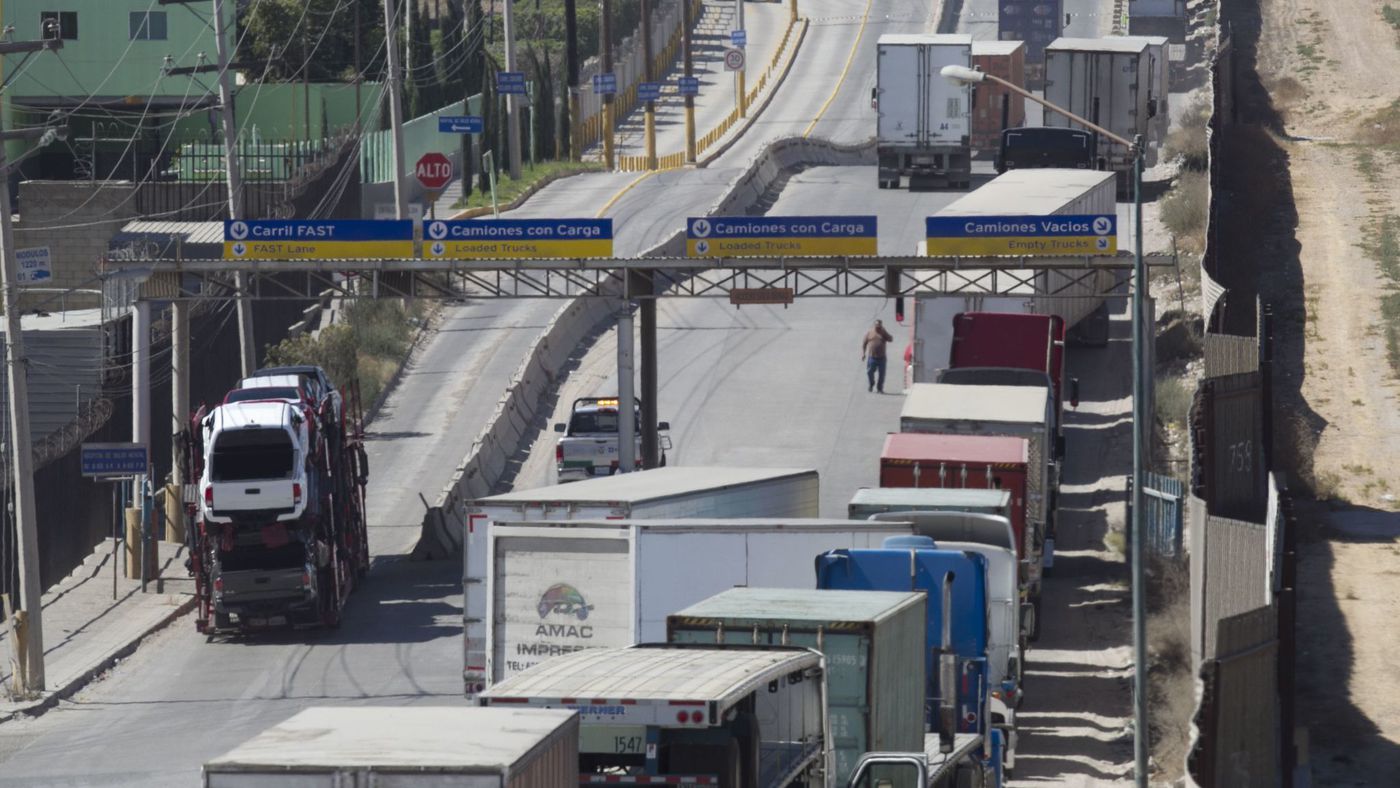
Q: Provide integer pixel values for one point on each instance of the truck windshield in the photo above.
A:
(242, 455)
(270, 392)
(595, 422)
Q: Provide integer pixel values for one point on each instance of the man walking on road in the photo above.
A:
(872, 352)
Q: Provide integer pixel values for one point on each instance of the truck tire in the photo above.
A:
(1036, 620)
(733, 774)
(747, 733)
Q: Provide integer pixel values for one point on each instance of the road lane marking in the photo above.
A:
(604, 210)
(855, 47)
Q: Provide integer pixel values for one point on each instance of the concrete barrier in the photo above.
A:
(509, 430)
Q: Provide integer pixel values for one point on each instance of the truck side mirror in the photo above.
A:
(1074, 392)
(558, 427)
(663, 426)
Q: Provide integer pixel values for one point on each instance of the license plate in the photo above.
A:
(613, 739)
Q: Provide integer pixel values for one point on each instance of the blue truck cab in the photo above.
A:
(956, 653)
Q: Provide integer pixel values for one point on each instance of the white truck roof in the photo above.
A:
(951, 497)
(1030, 192)
(271, 381)
(990, 47)
(237, 415)
(925, 38)
(1111, 44)
(949, 401)
(655, 674)
(646, 485)
(705, 524)
(424, 738)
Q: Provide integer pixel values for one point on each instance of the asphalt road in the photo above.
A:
(181, 700)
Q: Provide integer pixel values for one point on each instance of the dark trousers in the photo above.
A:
(874, 366)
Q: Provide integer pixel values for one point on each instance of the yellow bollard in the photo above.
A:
(174, 514)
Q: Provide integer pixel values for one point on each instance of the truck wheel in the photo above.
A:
(1035, 619)
(732, 776)
(746, 732)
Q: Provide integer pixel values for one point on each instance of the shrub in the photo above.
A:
(1184, 208)
(1172, 401)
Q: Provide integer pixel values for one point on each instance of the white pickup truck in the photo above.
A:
(589, 443)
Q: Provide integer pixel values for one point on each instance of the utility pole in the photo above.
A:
(686, 51)
(648, 69)
(246, 346)
(512, 109)
(22, 453)
(395, 107)
(571, 56)
(359, 70)
(605, 45)
(642, 287)
(741, 96)
(626, 396)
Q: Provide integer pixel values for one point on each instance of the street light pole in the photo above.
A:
(1140, 373)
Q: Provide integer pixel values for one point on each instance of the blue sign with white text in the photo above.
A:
(648, 91)
(313, 239)
(510, 82)
(113, 459)
(1001, 236)
(738, 38)
(495, 239)
(460, 124)
(604, 84)
(689, 86)
(748, 236)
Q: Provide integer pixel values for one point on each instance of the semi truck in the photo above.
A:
(1107, 81)
(280, 535)
(873, 642)
(994, 106)
(659, 713)
(406, 747)
(1159, 88)
(565, 586)
(1069, 296)
(1007, 349)
(958, 694)
(922, 127)
(714, 492)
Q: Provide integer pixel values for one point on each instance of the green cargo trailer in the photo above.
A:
(873, 643)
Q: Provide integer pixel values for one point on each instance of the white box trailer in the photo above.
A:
(561, 587)
(1036, 192)
(1105, 81)
(407, 747)
(923, 125)
(713, 492)
(1159, 87)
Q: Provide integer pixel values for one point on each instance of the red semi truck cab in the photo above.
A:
(1012, 349)
(973, 462)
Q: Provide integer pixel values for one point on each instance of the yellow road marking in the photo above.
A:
(602, 211)
(860, 34)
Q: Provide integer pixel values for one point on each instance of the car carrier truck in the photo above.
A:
(280, 535)
(659, 493)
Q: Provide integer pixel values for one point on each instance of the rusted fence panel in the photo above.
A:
(1237, 744)
(1227, 424)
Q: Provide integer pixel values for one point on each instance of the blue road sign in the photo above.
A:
(494, 239)
(1016, 236)
(689, 86)
(508, 82)
(317, 239)
(460, 124)
(648, 91)
(604, 84)
(113, 459)
(789, 236)
(738, 38)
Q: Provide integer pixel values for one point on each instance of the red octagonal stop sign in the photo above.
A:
(434, 170)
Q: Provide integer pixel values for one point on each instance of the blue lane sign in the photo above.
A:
(317, 239)
(790, 236)
(508, 82)
(689, 86)
(648, 91)
(459, 124)
(113, 459)
(495, 239)
(738, 38)
(1018, 236)
(604, 84)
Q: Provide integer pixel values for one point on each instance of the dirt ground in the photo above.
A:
(1329, 66)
